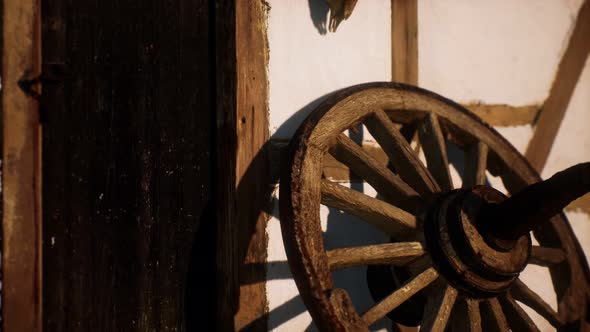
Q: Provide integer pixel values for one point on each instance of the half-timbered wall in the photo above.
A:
(500, 52)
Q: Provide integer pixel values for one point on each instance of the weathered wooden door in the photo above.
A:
(128, 241)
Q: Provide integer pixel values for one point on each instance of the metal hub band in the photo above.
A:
(460, 248)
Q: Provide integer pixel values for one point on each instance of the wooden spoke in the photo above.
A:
(399, 296)
(476, 160)
(524, 294)
(548, 257)
(388, 218)
(382, 179)
(438, 309)
(340, 299)
(410, 131)
(401, 155)
(419, 265)
(516, 316)
(492, 316)
(383, 254)
(435, 151)
(466, 308)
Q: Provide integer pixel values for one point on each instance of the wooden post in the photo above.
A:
(252, 165)
(568, 73)
(243, 178)
(21, 171)
(404, 41)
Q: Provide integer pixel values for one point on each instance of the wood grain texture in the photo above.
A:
(339, 172)
(54, 51)
(466, 316)
(435, 151)
(438, 309)
(340, 299)
(521, 292)
(502, 115)
(225, 151)
(397, 254)
(406, 291)
(382, 215)
(391, 186)
(21, 169)
(404, 41)
(476, 162)
(129, 223)
(493, 318)
(252, 165)
(518, 319)
(401, 155)
(569, 70)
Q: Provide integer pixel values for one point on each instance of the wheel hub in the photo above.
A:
(463, 250)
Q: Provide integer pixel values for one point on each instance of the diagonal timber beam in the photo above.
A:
(568, 73)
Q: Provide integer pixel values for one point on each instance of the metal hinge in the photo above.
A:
(51, 73)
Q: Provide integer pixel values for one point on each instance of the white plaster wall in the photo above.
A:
(490, 51)
(306, 65)
(499, 51)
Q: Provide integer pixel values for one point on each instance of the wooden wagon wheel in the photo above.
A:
(464, 248)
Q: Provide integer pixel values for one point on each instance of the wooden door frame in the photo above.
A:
(21, 168)
(243, 180)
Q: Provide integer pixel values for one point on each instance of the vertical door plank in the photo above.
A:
(127, 159)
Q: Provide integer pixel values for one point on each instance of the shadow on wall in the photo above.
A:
(318, 10)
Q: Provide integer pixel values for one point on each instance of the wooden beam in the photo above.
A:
(252, 164)
(404, 41)
(129, 235)
(568, 73)
(21, 168)
(505, 115)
